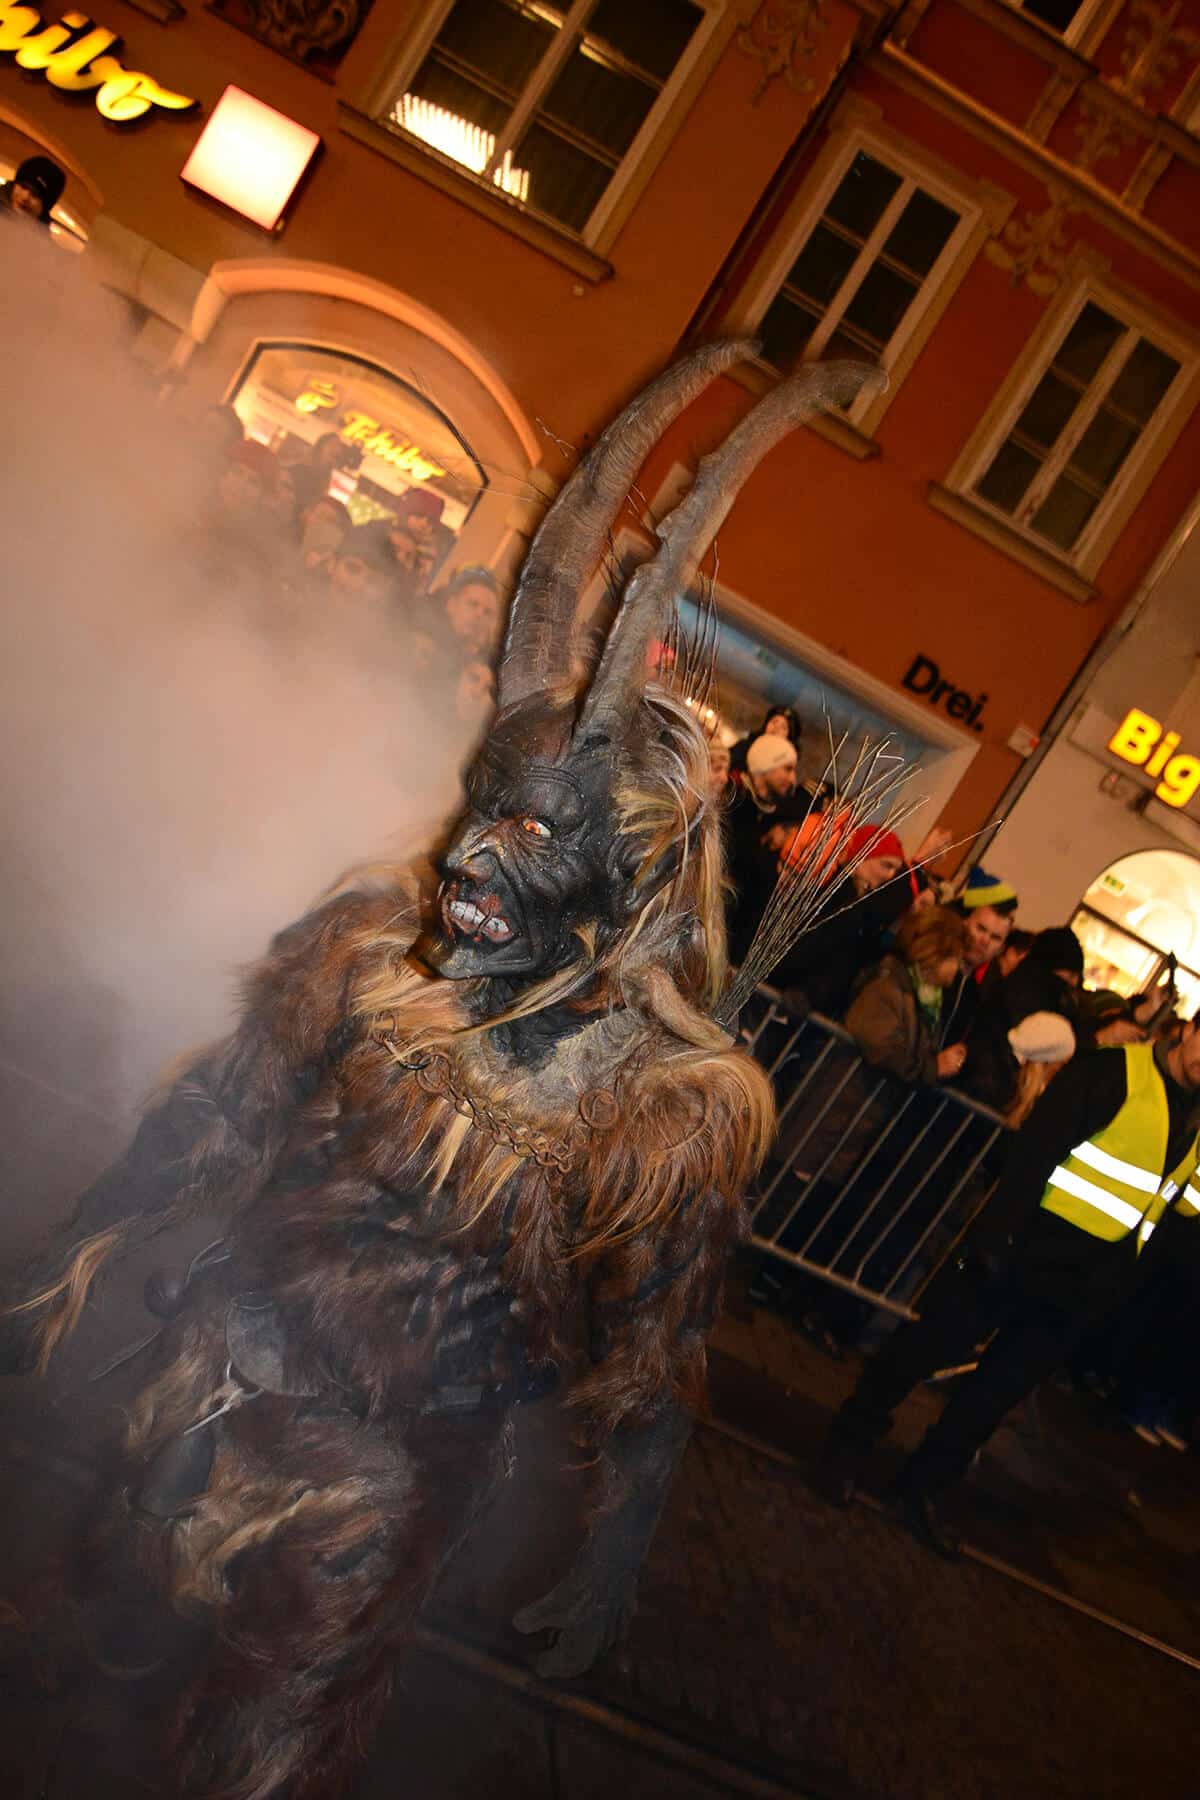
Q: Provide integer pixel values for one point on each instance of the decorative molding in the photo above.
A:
(783, 36)
(991, 128)
(1187, 103)
(984, 525)
(314, 33)
(854, 109)
(1153, 46)
(1156, 162)
(909, 18)
(1052, 102)
(1101, 134)
(1034, 248)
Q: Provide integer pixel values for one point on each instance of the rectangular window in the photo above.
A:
(1078, 429)
(545, 101)
(862, 270)
(1058, 15)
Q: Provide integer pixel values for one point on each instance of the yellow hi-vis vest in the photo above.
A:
(1116, 1182)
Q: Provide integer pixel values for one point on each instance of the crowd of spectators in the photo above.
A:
(938, 986)
(273, 521)
(934, 985)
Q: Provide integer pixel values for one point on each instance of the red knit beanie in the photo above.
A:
(872, 840)
(421, 501)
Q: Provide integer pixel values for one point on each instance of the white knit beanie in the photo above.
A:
(1042, 1037)
(767, 753)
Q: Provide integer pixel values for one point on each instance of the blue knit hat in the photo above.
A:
(983, 889)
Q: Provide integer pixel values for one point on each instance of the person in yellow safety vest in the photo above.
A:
(1109, 1147)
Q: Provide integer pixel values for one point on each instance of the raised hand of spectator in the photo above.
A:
(1121, 1031)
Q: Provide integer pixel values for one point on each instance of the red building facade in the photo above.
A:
(520, 210)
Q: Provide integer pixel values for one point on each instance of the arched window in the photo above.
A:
(393, 439)
(1142, 909)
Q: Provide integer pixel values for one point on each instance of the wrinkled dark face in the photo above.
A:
(533, 857)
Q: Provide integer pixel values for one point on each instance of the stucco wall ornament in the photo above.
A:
(315, 33)
(1101, 134)
(1154, 45)
(783, 35)
(1034, 247)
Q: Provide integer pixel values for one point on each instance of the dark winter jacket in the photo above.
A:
(848, 939)
(889, 1025)
(990, 1071)
(753, 868)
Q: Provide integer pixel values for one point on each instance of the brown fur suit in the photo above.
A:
(424, 1250)
(432, 1189)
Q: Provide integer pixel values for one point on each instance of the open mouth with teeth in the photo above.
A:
(478, 917)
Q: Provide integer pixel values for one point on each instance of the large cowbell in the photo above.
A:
(533, 857)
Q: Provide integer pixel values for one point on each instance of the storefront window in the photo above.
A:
(392, 439)
(1141, 910)
(755, 673)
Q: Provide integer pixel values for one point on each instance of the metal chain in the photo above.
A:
(435, 1075)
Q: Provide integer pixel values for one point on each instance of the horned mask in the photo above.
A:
(588, 811)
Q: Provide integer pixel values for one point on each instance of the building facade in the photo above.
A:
(518, 211)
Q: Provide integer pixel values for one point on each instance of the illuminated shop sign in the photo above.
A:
(251, 158)
(378, 440)
(1141, 740)
(317, 396)
(75, 57)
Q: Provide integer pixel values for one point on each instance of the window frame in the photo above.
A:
(1090, 23)
(1153, 443)
(715, 26)
(982, 208)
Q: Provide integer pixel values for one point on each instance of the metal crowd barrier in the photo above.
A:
(871, 1183)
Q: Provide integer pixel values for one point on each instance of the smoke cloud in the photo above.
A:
(191, 755)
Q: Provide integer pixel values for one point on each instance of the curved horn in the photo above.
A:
(572, 536)
(686, 533)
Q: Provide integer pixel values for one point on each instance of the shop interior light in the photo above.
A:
(463, 142)
(250, 157)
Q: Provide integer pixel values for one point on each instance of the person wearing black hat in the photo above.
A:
(35, 190)
(1047, 980)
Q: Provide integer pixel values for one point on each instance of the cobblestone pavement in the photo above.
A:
(784, 1648)
(829, 1652)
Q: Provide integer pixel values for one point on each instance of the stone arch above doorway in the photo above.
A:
(247, 302)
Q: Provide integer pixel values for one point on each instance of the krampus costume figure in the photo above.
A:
(441, 1177)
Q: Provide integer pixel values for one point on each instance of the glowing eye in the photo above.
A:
(535, 828)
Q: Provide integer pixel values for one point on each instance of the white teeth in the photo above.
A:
(472, 918)
(463, 913)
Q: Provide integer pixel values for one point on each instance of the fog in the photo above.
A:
(189, 759)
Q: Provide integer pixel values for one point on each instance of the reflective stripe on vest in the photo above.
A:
(1115, 1183)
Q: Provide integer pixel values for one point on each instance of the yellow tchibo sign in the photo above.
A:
(76, 56)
